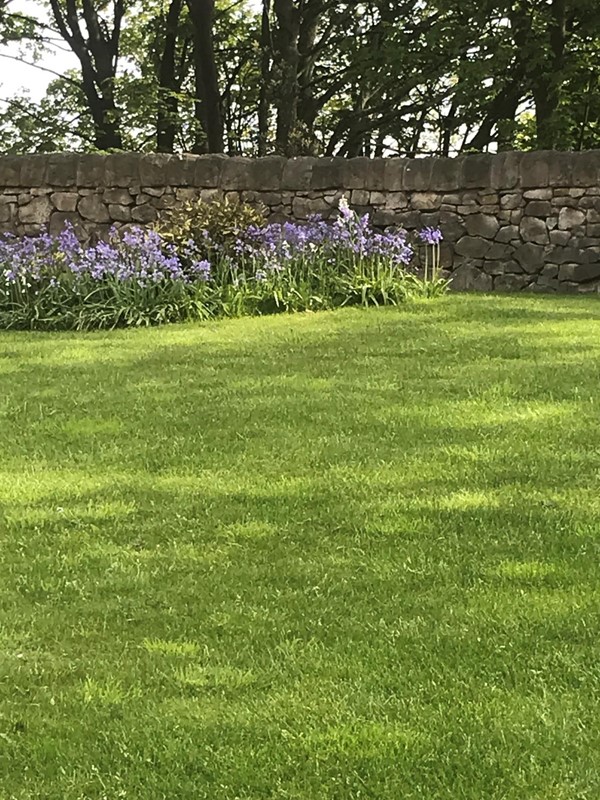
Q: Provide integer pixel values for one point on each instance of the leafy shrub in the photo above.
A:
(214, 228)
(143, 278)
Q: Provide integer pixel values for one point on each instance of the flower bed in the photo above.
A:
(144, 277)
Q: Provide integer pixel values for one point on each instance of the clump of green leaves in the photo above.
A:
(214, 227)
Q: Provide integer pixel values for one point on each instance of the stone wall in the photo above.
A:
(513, 221)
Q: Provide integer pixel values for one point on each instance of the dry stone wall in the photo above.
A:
(511, 222)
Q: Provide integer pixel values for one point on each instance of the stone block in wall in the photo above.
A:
(425, 201)
(235, 174)
(266, 174)
(489, 199)
(64, 201)
(560, 254)
(568, 287)
(359, 197)
(92, 171)
(119, 213)
(377, 198)
(470, 276)
(513, 267)
(297, 174)
(180, 170)
(505, 170)
(445, 174)
(569, 218)
(530, 256)
(550, 271)
(589, 288)
(121, 197)
(534, 169)
(206, 171)
(144, 213)
(493, 267)
(303, 207)
(383, 218)
(208, 195)
(417, 174)
(92, 208)
(559, 237)
(153, 191)
(544, 284)
(58, 220)
(62, 169)
(36, 212)
(586, 168)
(393, 174)
(538, 208)
(365, 173)
(184, 194)
(534, 230)
(33, 171)
(406, 219)
(123, 169)
(579, 273)
(500, 252)
(560, 169)
(396, 200)
(453, 225)
(328, 173)
(509, 202)
(472, 246)
(166, 201)
(6, 212)
(269, 199)
(333, 198)
(10, 170)
(153, 170)
(484, 225)
(431, 219)
(590, 202)
(476, 171)
(511, 283)
(508, 233)
(538, 194)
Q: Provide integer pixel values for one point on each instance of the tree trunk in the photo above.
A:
(208, 100)
(98, 54)
(286, 47)
(266, 48)
(168, 84)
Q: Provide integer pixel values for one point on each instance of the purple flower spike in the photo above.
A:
(431, 236)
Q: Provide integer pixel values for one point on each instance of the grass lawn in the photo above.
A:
(343, 555)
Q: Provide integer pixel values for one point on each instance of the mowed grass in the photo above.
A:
(344, 555)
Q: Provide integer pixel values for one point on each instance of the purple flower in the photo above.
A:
(202, 270)
(430, 236)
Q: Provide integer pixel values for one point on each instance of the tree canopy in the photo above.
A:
(318, 77)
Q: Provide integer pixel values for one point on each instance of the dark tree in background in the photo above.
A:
(294, 77)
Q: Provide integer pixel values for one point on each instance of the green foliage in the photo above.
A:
(214, 227)
(358, 79)
(111, 303)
